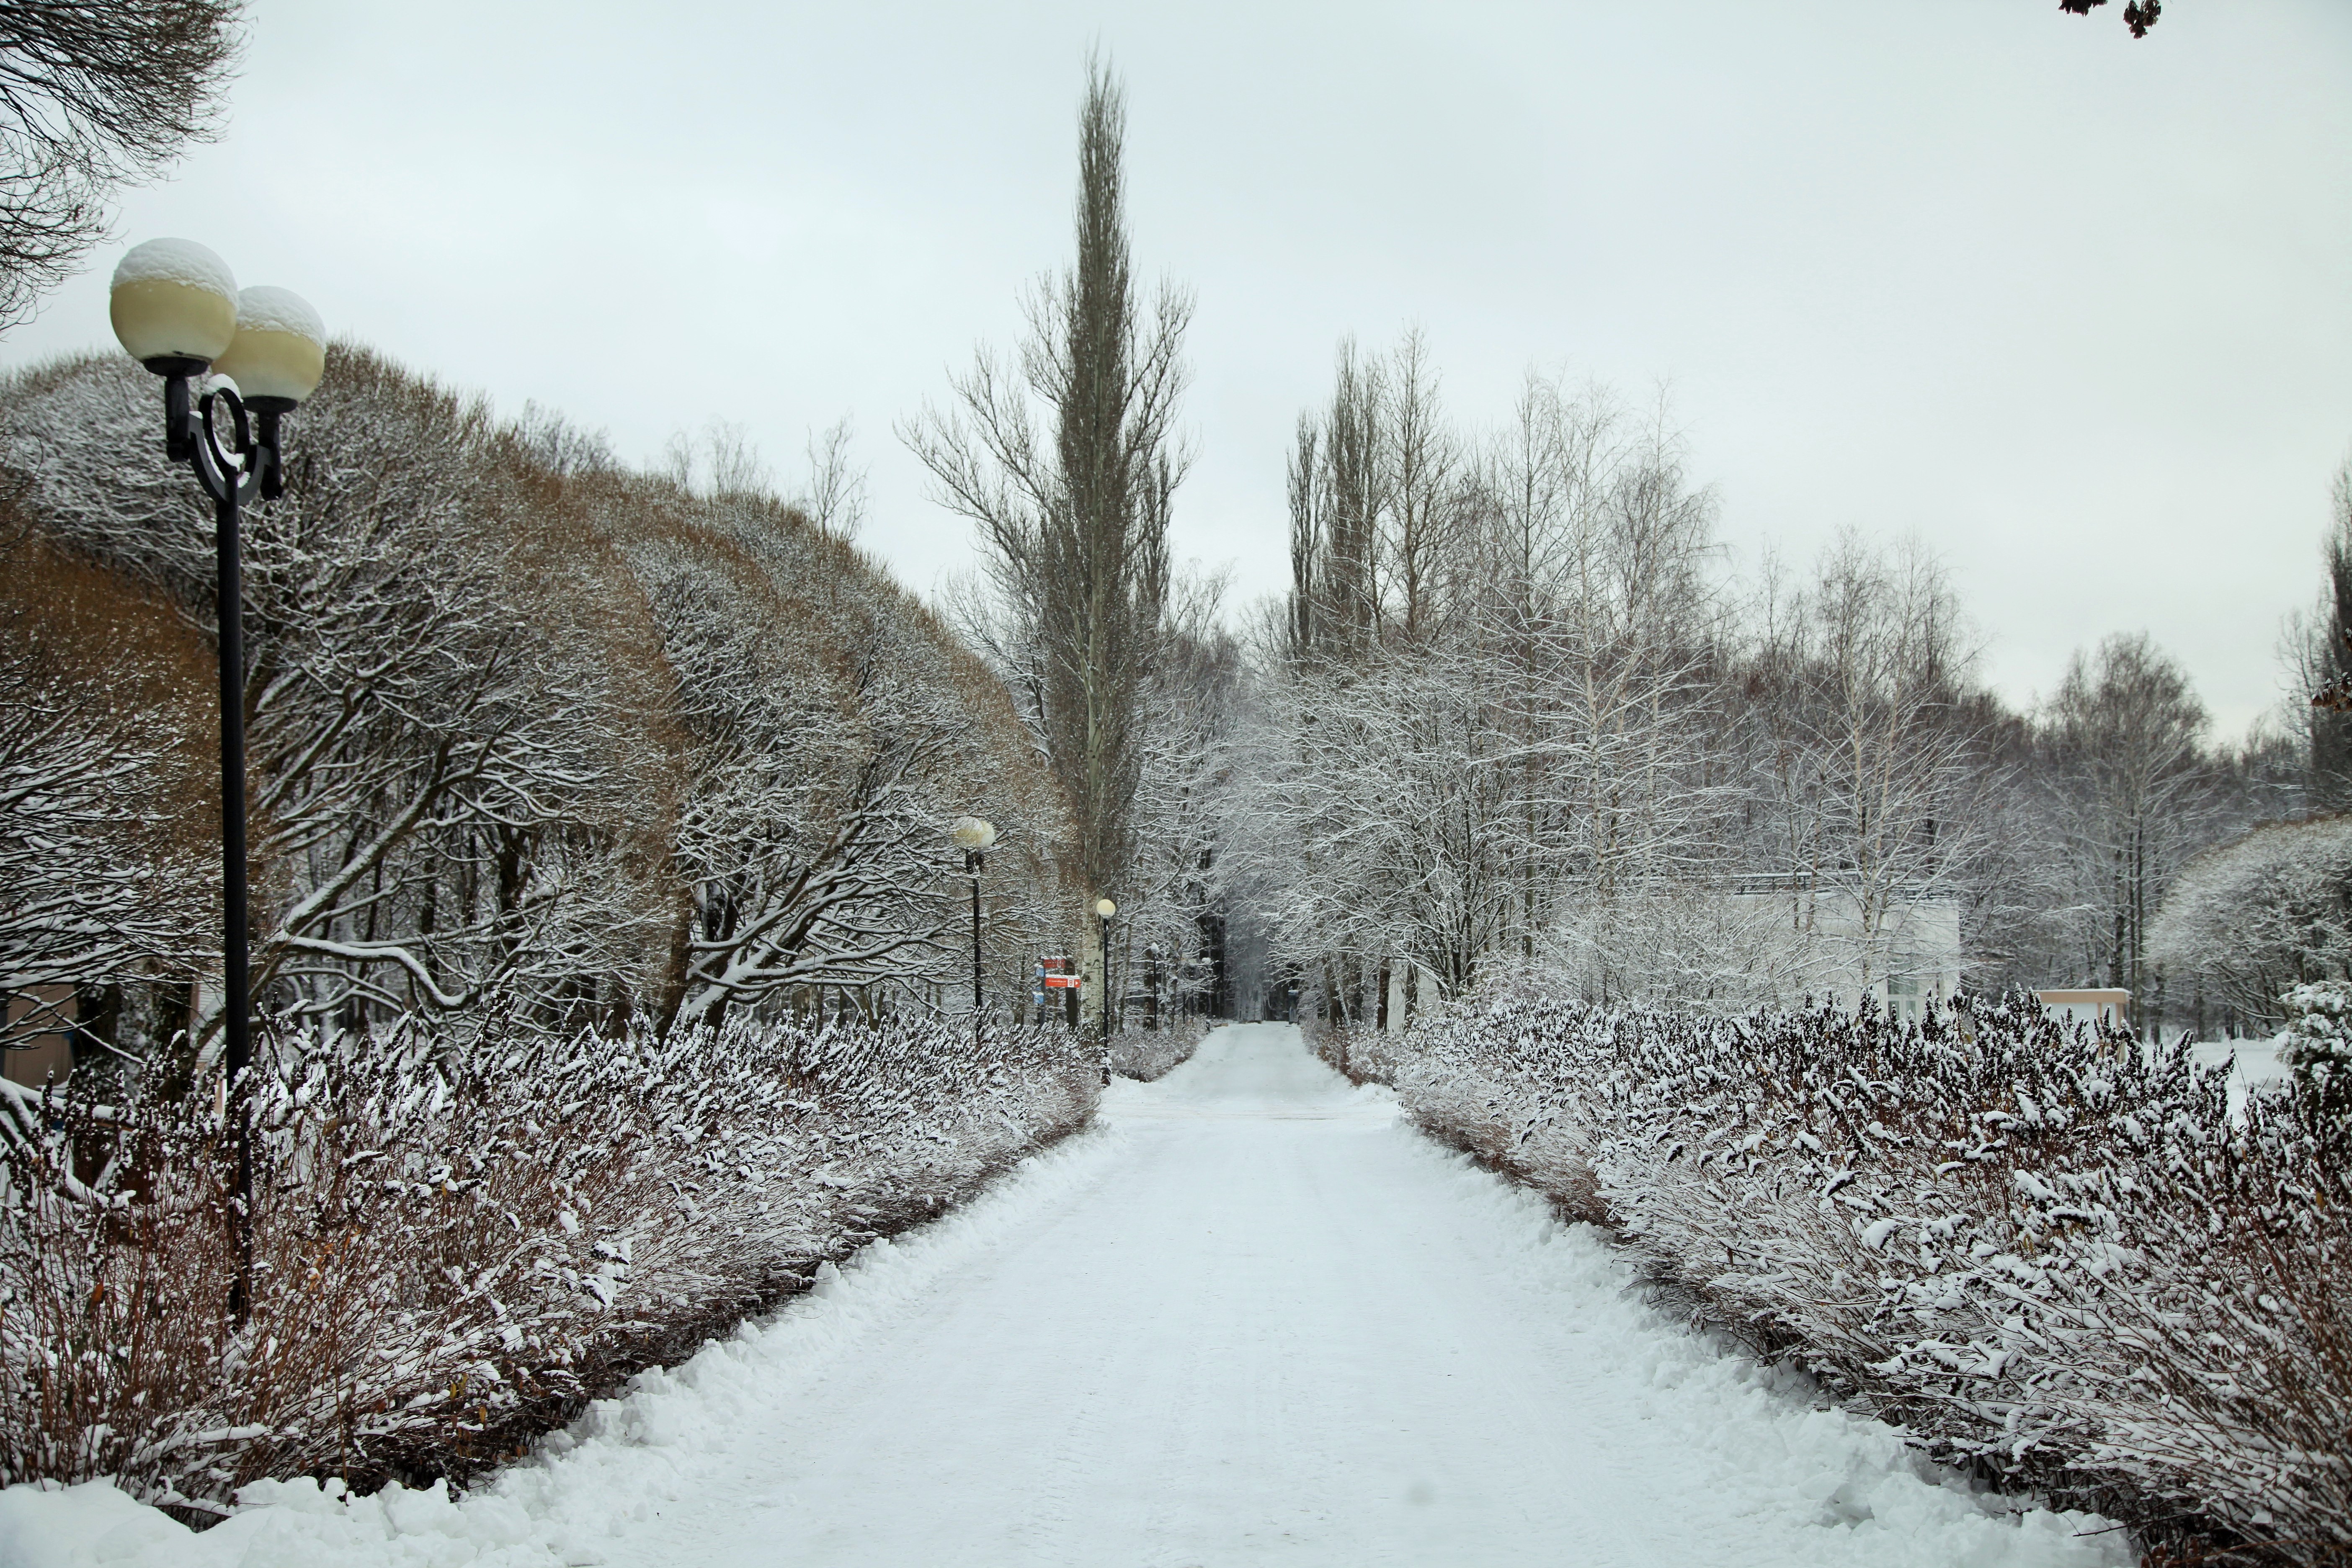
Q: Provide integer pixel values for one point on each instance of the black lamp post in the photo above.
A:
(1105, 910)
(176, 307)
(974, 835)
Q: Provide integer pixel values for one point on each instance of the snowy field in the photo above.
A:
(2250, 1063)
(1251, 1318)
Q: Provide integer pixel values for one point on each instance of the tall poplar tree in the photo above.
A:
(1067, 458)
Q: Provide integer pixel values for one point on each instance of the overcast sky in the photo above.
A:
(2077, 309)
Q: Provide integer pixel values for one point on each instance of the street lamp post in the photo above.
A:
(176, 307)
(1105, 910)
(973, 836)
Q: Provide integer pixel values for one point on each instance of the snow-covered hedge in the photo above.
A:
(1149, 1055)
(2032, 1247)
(454, 1247)
(1362, 1053)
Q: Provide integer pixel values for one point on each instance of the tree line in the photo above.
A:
(535, 737)
(1518, 712)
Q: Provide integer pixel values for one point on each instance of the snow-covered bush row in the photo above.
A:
(2050, 1253)
(455, 1245)
(1149, 1054)
(1362, 1053)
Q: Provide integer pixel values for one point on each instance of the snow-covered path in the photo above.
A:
(1253, 1318)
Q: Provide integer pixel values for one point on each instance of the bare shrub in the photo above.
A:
(1361, 1053)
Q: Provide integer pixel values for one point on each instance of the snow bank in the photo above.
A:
(1149, 1055)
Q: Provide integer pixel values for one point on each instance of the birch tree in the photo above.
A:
(1871, 774)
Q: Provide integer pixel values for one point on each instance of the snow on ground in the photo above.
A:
(1251, 1318)
(2250, 1063)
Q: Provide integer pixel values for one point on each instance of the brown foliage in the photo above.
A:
(122, 647)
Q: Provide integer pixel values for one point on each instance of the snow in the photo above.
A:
(264, 307)
(179, 261)
(88, 1524)
(1251, 1317)
(2251, 1064)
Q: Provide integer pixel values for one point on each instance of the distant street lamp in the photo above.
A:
(1104, 909)
(176, 307)
(973, 836)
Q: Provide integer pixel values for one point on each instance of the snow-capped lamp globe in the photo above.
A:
(971, 833)
(279, 351)
(176, 310)
(173, 306)
(1104, 908)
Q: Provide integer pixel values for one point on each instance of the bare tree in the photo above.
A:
(104, 874)
(95, 94)
(1378, 490)
(723, 462)
(532, 736)
(2251, 918)
(1301, 624)
(1498, 699)
(834, 498)
(1185, 796)
(2321, 651)
(1871, 766)
(1424, 495)
(2127, 732)
(1352, 500)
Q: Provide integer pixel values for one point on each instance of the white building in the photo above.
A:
(2094, 1005)
(1819, 942)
